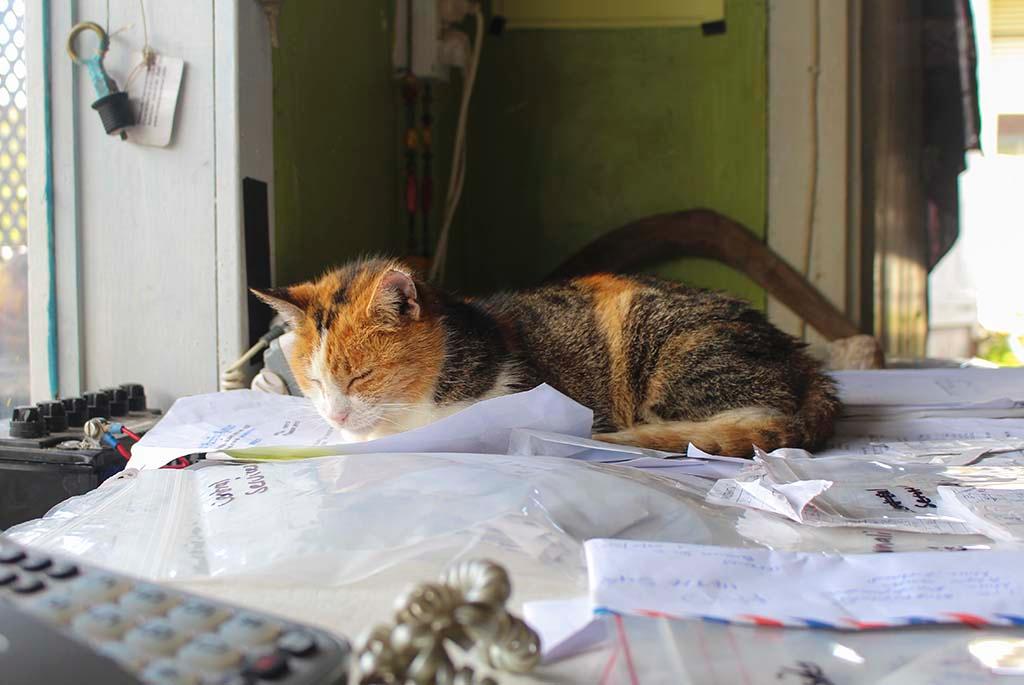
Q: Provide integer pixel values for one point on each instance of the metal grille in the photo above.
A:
(13, 193)
(13, 214)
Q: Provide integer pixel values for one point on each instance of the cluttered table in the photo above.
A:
(893, 556)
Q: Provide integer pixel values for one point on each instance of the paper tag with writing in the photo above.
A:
(154, 96)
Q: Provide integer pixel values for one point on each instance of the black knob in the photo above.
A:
(97, 405)
(54, 417)
(75, 410)
(136, 396)
(118, 401)
(27, 422)
(115, 112)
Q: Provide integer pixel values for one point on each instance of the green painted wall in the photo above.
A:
(572, 133)
(575, 133)
(335, 126)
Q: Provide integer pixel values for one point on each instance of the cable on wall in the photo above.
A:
(51, 252)
(457, 178)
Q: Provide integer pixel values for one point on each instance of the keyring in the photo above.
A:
(112, 104)
(101, 51)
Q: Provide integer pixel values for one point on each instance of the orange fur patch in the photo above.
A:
(612, 298)
(728, 433)
(404, 355)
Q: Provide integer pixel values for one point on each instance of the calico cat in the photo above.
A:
(379, 350)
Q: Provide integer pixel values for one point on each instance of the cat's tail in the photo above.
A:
(735, 431)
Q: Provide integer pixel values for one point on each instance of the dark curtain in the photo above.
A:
(951, 116)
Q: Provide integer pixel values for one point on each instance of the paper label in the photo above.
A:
(154, 95)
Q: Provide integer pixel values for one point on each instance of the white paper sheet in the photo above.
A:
(250, 425)
(565, 626)
(995, 512)
(784, 499)
(947, 452)
(851, 433)
(781, 534)
(697, 453)
(685, 469)
(528, 442)
(949, 388)
(797, 589)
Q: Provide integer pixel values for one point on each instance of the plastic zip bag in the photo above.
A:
(337, 520)
(860, 492)
(657, 651)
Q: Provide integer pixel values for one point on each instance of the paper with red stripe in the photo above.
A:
(807, 590)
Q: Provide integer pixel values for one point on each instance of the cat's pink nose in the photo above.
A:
(340, 417)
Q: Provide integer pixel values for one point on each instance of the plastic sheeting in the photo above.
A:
(663, 652)
(336, 520)
(333, 540)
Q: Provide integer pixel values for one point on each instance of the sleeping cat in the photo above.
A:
(379, 351)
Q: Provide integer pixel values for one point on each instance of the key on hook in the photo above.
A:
(112, 104)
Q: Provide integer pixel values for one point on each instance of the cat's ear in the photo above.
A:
(291, 303)
(396, 295)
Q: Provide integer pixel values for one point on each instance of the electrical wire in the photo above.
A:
(456, 180)
(145, 27)
(52, 335)
(234, 377)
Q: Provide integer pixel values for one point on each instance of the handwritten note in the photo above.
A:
(765, 587)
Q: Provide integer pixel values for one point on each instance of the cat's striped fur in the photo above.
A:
(661, 364)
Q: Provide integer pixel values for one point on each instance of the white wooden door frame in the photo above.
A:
(243, 147)
(794, 159)
(43, 86)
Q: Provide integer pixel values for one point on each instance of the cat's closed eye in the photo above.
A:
(316, 382)
(359, 377)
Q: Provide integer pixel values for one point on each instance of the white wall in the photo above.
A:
(150, 257)
(796, 155)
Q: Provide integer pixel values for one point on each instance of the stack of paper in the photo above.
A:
(923, 393)
(762, 587)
